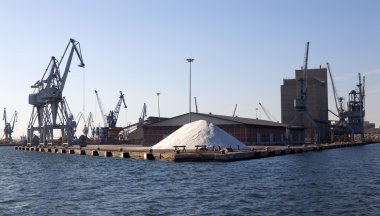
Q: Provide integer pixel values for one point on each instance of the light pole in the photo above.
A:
(256, 112)
(158, 99)
(190, 60)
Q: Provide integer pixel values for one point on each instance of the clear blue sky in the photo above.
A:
(242, 49)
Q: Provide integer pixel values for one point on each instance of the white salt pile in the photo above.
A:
(200, 133)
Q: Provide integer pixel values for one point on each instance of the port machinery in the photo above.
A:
(351, 120)
(9, 126)
(110, 133)
(50, 108)
(300, 105)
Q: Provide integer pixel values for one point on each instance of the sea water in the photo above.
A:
(343, 181)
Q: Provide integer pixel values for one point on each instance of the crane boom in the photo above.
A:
(233, 115)
(5, 117)
(336, 97)
(14, 119)
(117, 108)
(268, 114)
(143, 115)
(196, 104)
(75, 47)
(101, 109)
(304, 91)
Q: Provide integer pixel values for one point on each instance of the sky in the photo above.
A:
(243, 49)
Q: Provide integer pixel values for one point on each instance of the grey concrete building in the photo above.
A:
(317, 102)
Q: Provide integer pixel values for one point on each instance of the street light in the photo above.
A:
(256, 112)
(190, 60)
(158, 98)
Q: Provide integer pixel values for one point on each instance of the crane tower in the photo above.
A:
(50, 109)
(302, 115)
(8, 126)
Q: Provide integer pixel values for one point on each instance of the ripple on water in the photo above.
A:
(339, 181)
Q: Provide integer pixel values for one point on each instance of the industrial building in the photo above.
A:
(316, 103)
(246, 130)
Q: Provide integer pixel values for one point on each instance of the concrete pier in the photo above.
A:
(140, 152)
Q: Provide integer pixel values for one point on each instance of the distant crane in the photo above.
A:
(89, 124)
(341, 128)
(110, 120)
(268, 114)
(142, 116)
(196, 104)
(49, 107)
(338, 100)
(8, 127)
(101, 109)
(79, 117)
(234, 114)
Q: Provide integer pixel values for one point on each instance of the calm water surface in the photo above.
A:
(332, 182)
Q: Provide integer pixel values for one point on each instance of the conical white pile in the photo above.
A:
(200, 133)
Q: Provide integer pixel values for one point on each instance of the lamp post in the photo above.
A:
(190, 60)
(256, 112)
(158, 99)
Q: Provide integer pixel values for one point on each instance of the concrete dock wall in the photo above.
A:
(190, 155)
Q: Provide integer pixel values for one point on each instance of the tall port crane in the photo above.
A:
(302, 113)
(268, 114)
(8, 126)
(110, 120)
(50, 110)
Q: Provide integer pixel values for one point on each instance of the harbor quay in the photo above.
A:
(180, 154)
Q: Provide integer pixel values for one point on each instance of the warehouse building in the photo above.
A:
(248, 131)
(317, 102)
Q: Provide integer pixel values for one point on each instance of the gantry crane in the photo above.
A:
(110, 133)
(268, 114)
(8, 126)
(50, 110)
(110, 120)
(114, 115)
